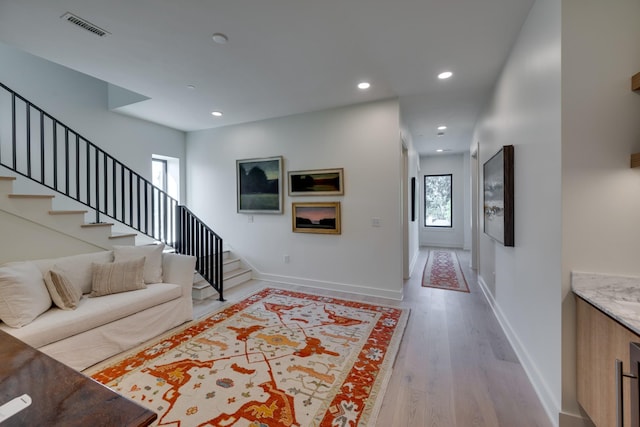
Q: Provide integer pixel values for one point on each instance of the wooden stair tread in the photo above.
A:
(67, 212)
(122, 235)
(7, 178)
(31, 196)
(98, 224)
(234, 273)
(202, 283)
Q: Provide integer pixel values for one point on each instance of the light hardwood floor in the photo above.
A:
(455, 367)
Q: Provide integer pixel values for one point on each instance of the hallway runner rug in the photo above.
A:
(443, 271)
(276, 358)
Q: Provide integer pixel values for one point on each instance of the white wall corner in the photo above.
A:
(573, 420)
(548, 400)
(334, 286)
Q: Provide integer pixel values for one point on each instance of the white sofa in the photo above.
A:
(103, 326)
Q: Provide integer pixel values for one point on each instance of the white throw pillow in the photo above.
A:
(23, 294)
(76, 268)
(117, 277)
(152, 263)
(65, 295)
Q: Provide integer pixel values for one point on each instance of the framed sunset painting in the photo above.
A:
(316, 217)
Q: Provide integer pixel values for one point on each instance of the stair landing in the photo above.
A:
(233, 274)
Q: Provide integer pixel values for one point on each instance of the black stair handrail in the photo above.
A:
(49, 152)
(197, 239)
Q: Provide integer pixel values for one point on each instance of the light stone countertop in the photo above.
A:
(616, 296)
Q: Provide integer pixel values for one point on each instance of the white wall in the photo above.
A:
(414, 226)
(468, 187)
(33, 241)
(600, 129)
(365, 141)
(525, 111)
(454, 164)
(80, 102)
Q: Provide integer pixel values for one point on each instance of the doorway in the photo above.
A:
(405, 212)
(475, 195)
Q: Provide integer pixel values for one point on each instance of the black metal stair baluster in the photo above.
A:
(97, 183)
(28, 124)
(14, 137)
(114, 204)
(88, 172)
(41, 148)
(130, 195)
(138, 205)
(122, 195)
(164, 217)
(157, 213)
(105, 183)
(55, 155)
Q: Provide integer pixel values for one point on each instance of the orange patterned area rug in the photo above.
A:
(276, 358)
(443, 271)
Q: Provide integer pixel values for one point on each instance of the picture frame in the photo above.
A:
(316, 182)
(413, 199)
(316, 217)
(498, 203)
(259, 185)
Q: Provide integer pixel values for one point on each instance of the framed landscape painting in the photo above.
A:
(316, 217)
(317, 182)
(498, 186)
(259, 185)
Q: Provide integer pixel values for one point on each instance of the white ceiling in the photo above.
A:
(283, 57)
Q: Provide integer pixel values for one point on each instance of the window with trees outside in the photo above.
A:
(437, 200)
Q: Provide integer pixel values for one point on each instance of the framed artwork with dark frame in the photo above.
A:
(316, 182)
(316, 217)
(413, 199)
(498, 188)
(259, 185)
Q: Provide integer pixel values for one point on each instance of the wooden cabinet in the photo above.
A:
(600, 341)
(635, 82)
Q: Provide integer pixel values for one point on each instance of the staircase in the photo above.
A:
(234, 272)
(38, 208)
(39, 147)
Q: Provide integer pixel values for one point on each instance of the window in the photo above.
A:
(159, 178)
(437, 200)
(159, 173)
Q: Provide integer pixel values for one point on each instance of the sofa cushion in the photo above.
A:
(56, 324)
(116, 277)
(77, 268)
(65, 295)
(152, 255)
(23, 294)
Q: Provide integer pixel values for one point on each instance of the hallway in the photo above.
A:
(455, 367)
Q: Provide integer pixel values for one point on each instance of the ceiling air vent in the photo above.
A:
(83, 23)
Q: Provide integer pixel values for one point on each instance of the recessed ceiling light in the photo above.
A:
(364, 85)
(445, 75)
(443, 127)
(220, 38)
(191, 87)
(439, 150)
(216, 113)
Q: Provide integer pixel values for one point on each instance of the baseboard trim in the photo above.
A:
(573, 420)
(340, 287)
(412, 264)
(539, 385)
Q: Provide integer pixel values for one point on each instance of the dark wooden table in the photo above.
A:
(60, 395)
